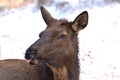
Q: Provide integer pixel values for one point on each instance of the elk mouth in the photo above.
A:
(31, 57)
(35, 61)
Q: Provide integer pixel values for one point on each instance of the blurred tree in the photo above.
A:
(61, 5)
(111, 1)
(44, 2)
(58, 4)
(10, 4)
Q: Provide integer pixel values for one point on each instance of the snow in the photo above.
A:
(99, 41)
(18, 31)
(100, 44)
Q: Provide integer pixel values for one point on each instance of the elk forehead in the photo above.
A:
(59, 27)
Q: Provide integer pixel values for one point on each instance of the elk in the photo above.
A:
(54, 56)
(57, 46)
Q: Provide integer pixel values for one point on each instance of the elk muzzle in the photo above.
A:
(30, 53)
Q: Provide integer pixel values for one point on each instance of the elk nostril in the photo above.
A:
(33, 53)
(30, 54)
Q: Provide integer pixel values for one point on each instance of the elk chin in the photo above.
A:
(37, 61)
(33, 62)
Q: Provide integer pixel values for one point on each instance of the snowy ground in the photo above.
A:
(100, 45)
(99, 42)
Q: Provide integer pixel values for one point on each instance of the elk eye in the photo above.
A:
(62, 36)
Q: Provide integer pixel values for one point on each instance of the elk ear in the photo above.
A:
(46, 15)
(80, 22)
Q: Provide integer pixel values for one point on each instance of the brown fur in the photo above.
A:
(15, 69)
(59, 73)
(53, 57)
